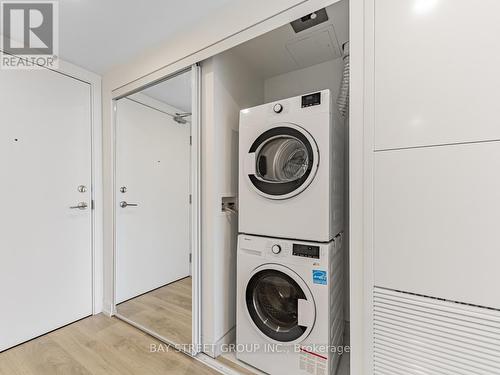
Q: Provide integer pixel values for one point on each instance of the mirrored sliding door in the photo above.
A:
(153, 210)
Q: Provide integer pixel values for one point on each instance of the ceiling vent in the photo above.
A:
(310, 20)
(315, 47)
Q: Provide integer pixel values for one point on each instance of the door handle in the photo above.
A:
(124, 204)
(80, 206)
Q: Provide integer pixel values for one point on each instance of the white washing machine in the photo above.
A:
(290, 305)
(291, 169)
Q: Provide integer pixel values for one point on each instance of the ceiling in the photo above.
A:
(282, 50)
(175, 92)
(99, 34)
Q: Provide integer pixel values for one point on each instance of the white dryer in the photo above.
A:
(290, 305)
(291, 169)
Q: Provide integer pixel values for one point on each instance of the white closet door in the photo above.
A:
(436, 72)
(45, 246)
(153, 165)
(437, 214)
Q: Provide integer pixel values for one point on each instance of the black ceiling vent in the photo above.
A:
(310, 20)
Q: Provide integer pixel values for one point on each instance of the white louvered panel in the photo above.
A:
(393, 330)
(417, 353)
(459, 328)
(409, 366)
(448, 316)
(417, 335)
(458, 338)
(436, 328)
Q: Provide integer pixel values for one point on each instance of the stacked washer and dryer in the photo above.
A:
(290, 264)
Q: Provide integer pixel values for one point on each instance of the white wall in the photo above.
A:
(228, 86)
(327, 75)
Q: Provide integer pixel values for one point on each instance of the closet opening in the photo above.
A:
(275, 249)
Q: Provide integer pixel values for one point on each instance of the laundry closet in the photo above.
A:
(298, 68)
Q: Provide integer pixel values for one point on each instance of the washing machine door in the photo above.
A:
(282, 161)
(280, 304)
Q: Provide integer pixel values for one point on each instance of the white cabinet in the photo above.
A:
(437, 75)
(437, 222)
(435, 184)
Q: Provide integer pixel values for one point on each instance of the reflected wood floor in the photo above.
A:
(97, 345)
(165, 311)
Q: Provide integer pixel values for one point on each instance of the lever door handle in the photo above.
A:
(124, 204)
(80, 206)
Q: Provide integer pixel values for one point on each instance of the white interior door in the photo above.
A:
(153, 168)
(45, 246)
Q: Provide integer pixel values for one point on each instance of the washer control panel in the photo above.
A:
(277, 248)
(286, 249)
(305, 251)
(311, 99)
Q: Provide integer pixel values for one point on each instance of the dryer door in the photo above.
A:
(282, 161)
(280, 304)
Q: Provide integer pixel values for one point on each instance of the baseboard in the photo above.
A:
(107, 313)
(107, 308)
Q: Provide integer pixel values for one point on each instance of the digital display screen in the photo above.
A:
(311, 99)
(306, 251)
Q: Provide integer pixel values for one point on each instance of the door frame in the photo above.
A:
(195, 209)
(97, 231)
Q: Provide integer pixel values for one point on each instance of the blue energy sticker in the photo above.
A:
(319, 277)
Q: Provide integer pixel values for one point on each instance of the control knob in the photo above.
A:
(276, 249)
(278, 108)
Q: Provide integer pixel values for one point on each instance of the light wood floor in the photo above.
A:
(167, 311)
(98, 345)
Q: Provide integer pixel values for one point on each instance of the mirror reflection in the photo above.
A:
(153, 260)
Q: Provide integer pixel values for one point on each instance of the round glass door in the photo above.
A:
(272, 299)
(286, 160)
(282, 159)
